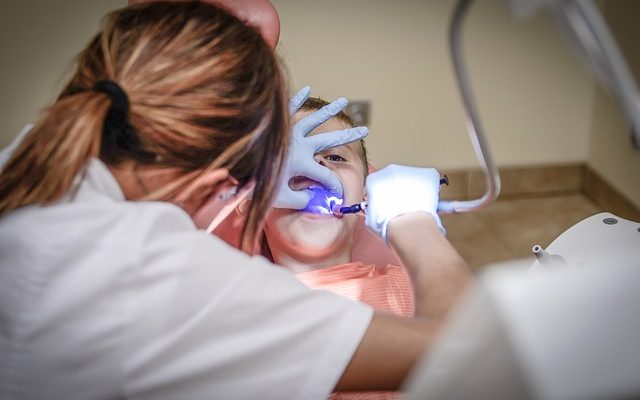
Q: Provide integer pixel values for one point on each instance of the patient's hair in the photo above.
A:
(316, 103)
(205, 92)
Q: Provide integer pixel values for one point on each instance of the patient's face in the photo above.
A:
(312, 237)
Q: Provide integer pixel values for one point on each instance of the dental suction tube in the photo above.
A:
(476, 133)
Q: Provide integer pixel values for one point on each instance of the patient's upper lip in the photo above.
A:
(302, 183)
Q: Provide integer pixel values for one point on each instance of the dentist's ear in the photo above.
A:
(216, 182)
(243, 207)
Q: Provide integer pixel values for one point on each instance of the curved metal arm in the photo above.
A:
(492, 178)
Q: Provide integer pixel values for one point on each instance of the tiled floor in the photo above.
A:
(508, 229)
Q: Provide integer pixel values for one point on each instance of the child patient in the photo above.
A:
(317, 248)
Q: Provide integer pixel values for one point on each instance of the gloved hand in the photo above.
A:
(302, 148)
(396, 190)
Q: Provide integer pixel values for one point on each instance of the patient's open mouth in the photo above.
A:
(322, 202)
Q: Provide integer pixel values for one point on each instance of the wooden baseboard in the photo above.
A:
(603, 194)
(541, 181)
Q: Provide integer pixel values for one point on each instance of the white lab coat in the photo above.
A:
(104, 298)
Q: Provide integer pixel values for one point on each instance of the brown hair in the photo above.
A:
(205, 92)
(316, 103)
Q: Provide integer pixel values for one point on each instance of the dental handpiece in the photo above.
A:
(362, 206)
(354, 208)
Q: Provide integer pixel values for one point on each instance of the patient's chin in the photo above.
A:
(315, 239)
(323, 235)
(309, 237)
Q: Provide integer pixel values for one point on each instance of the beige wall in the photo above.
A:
(535, 98)
(537, 102)
(610, 151)
(38, 41)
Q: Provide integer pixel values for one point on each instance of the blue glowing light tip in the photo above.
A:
(322, 201)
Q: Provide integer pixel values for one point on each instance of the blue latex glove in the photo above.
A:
(396, 190)
(302, 148)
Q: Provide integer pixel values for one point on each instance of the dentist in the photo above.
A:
(107, 289)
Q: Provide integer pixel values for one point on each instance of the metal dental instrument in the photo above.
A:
(354, 208)
(476, 133)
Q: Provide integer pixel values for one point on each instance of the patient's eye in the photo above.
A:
(334, 158)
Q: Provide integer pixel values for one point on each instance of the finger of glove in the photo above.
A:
(293, 199)
(324, 176)
(298, 99)
(323, 141)
(317, 118)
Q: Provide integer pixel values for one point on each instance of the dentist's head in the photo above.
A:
(258, 14)
(179, 100)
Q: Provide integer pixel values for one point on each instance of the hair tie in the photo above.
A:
(119, 99)
(117, 132)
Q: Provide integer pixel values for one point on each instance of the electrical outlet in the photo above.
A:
(359, 112)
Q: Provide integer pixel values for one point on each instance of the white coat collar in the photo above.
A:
(97, 177)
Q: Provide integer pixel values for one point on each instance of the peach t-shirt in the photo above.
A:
(385, 288)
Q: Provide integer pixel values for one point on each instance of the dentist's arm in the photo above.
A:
(438, 272)
(402, 209)
(404, 202)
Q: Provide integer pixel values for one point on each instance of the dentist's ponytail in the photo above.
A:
(44, 165)
(182, 85)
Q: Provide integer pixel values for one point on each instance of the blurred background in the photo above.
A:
(561, 143)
